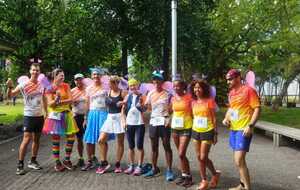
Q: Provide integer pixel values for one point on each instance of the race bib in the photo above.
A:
(80, 105)
(133, 116)
(35, 101)
(200, 122)
(98, 103)
(54, 115)
(177, 122)
(114, 117)
(234, 114)
(157, 121)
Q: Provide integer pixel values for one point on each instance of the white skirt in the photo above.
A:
(113, 124)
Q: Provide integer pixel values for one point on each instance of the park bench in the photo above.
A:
(279, 132)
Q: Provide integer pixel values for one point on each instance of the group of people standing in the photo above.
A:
(94, 116)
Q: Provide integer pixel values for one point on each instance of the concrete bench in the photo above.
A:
(278, 131)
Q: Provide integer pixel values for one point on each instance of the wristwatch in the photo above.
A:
(251, 126)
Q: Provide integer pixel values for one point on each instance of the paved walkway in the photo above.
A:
(271, 169)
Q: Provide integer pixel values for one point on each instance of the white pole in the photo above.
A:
(174, 38)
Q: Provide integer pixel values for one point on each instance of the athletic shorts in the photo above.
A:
(33, 124)
(79, 121)
(159, 131)
(238, 142)
(135, 132)
(205, 136)
(183, 132)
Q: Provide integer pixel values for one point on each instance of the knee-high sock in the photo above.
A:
(55, 147)
(69, 146)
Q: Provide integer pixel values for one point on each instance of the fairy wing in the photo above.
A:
(250, 79)
(44, 81)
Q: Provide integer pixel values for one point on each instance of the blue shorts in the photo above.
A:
(238, 142)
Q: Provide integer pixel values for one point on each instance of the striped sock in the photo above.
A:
(69, 146)
(55, 147)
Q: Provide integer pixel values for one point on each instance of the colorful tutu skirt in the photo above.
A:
(62, 124)
(95, 121)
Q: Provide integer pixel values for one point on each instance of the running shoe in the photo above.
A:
(137, 171)
(188, 182)
(20, 169)
(239, 187)
(80, 163)
(169, 175)
(68, 164)
(152, 173)
(203, 185)
(102, 169)
(215, 179)
(129, 170)
(95, 161)
(88, 166)
(118, 170)
(180, 180)
(59, 167)
(33, 164)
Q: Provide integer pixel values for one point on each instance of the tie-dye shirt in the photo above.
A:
(242, 103)
(33, 98)
(182, 112)
(159, 102)
(79, 96)
(96, 96)
(203, 115)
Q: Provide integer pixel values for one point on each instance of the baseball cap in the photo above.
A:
(78, 75)
(233, 73)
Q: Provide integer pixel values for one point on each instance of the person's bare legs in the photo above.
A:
(103, 146)
(155, 149)
(240, 162)
(120, 147)
(27, 136)
(35, 144)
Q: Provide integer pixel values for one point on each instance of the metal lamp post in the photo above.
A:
(174, 38)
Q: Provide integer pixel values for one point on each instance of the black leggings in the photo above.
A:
(137, 131)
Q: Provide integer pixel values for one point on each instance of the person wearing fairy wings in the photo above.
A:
(32, 92)
(158, 101)
(60, 122)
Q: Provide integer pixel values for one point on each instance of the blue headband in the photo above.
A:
(97, 70)
(158, 75)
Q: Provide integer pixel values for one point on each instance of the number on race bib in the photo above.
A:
(133, 116)
(55, 116)
(177, 122)
(200, 122)
(234, 115)
(158, 121)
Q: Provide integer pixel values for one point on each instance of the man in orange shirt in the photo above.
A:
(243, 112)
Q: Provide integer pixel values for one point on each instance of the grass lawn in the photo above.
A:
(284, 116)
(12, 113)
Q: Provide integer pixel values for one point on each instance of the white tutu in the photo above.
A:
(113, 124)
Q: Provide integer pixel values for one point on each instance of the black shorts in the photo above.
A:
(183, 132)
(206, 136)
(159, 131)
(33, 124)
(79, 121)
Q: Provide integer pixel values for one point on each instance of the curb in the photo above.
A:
(10, 139)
